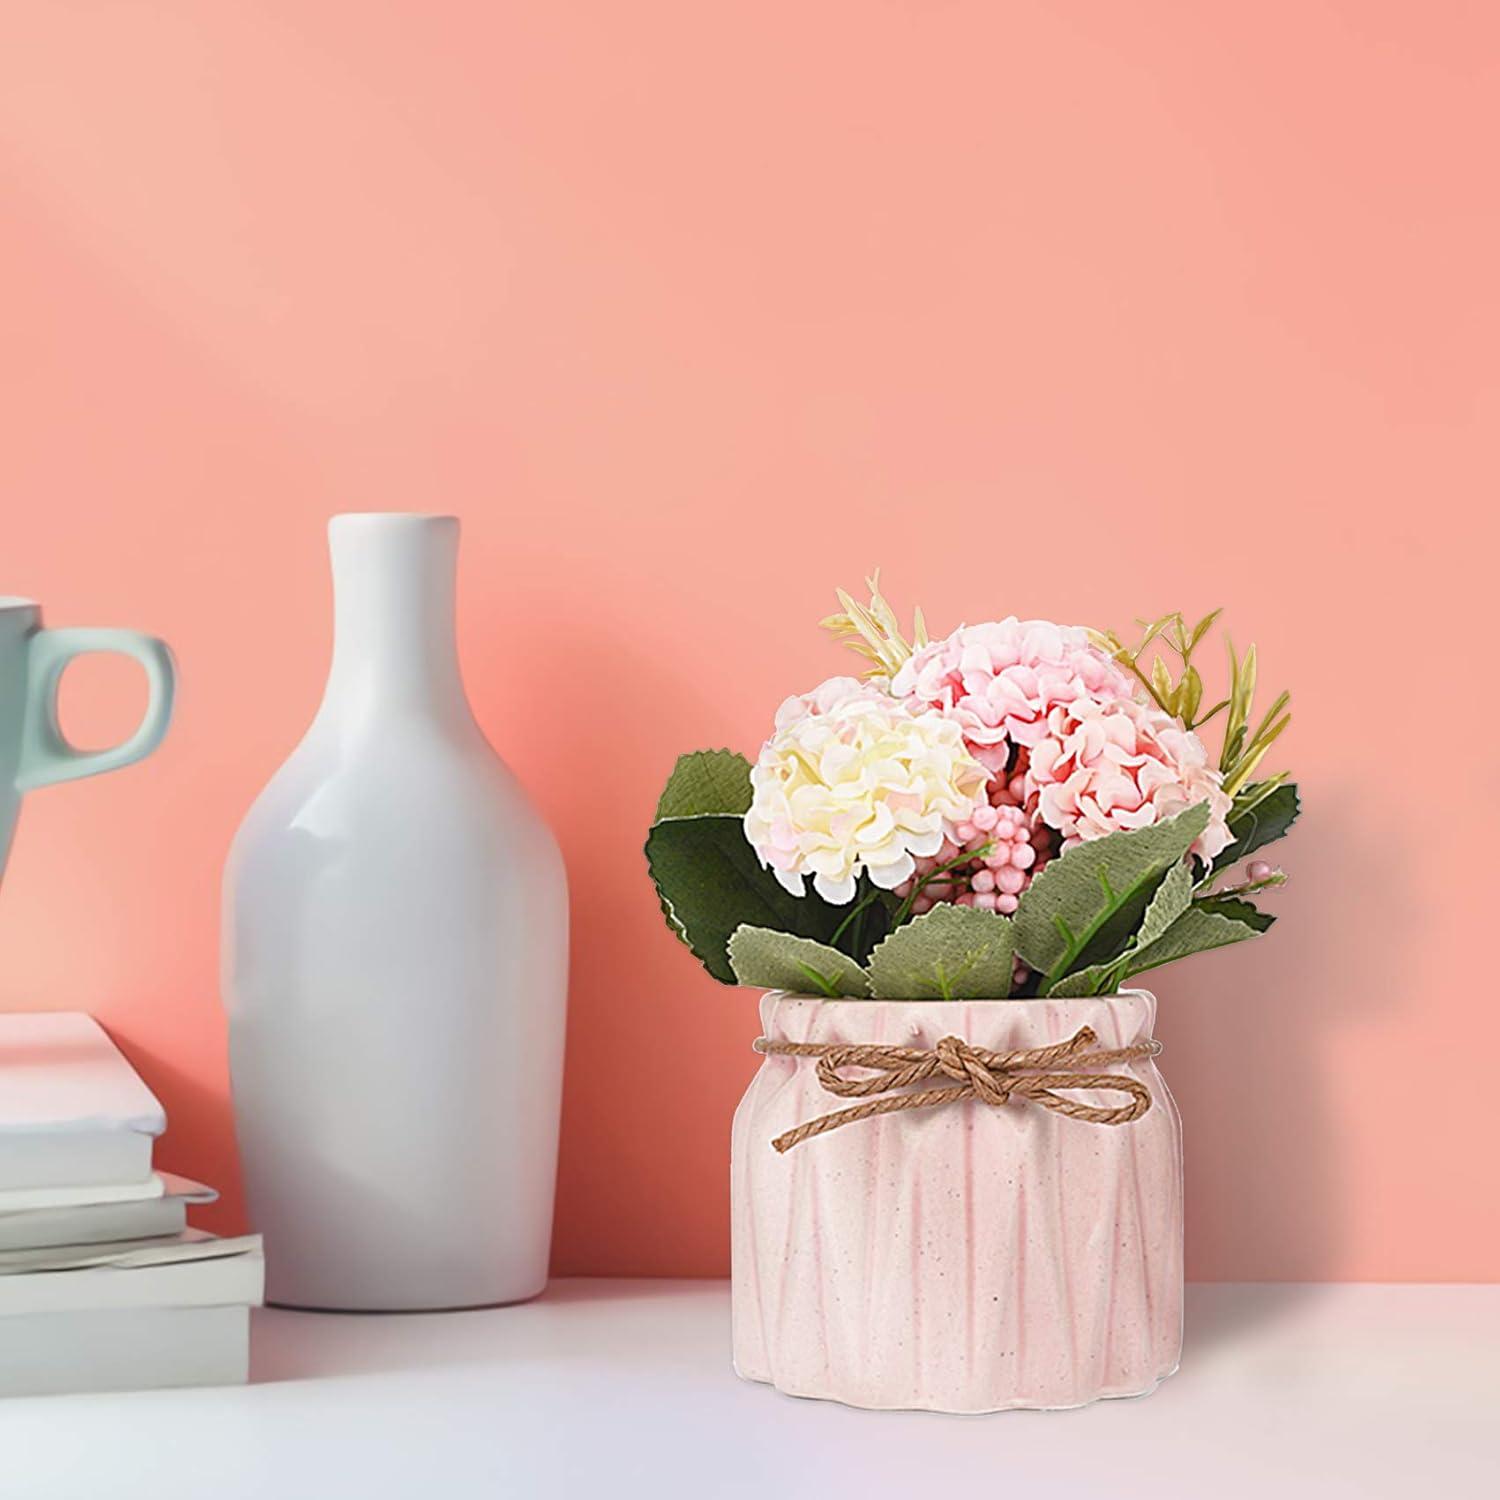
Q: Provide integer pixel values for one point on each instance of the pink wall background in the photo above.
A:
(694, 311)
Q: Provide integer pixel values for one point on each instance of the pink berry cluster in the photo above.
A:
(1007, 843)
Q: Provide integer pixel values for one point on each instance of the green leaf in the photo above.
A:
(1203, 626)
(1085, 890)
(710, 882)
(1255, 792)
(864, 921)
(1153, 629)
(1097, 979)
(950, 953)
(1237, 909)
(1172, 898)
(707, 781)
(1247, 681)
(1204, 925)
(1234, 723)
(778, 961)
(1189, 693)
(1161, 683)
(1115, 933)
(1262, 823)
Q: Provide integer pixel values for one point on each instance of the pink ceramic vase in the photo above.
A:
(963, 1258)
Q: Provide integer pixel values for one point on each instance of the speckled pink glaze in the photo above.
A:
(963, 1258)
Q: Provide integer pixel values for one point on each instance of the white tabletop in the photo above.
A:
(624, 1388)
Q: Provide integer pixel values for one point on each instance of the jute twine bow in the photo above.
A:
(991, 1077)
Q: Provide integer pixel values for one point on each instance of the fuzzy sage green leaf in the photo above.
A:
(770, 960)
(707, 781)
(951, 953)
(1097, 979)
(1203, 926)
(1170, 899)
(1092, 887)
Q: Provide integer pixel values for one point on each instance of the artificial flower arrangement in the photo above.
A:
(1018, 810)
(1022, 813)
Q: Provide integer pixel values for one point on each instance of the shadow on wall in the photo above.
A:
(1252, 1037)
(643, 1176)
(197, 1143)
(1252, 1034)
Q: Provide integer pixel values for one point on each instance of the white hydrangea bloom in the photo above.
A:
(854, 782)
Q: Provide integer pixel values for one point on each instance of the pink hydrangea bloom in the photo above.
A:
(1103, 766)
(1000, 681)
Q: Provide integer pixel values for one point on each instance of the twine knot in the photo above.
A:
(960, 1061)
(993, 1078)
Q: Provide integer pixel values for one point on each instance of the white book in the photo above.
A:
(73, 1112)
(165, 1250)
(131, 1327)
(229, 1280)
(103, 1223)
(123, 1349)
(19, 1200)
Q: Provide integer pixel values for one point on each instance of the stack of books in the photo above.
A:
(102, 1284)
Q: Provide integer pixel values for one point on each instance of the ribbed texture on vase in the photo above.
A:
(962, 1258)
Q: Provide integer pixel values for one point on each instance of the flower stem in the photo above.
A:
(904, 910)
(1247, 887)
(1146, 683)
(856, 911)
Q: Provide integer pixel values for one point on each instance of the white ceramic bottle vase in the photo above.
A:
(395, 952)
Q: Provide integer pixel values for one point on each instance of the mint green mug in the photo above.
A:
(33, 751)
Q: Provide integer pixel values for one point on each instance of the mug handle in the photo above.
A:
(46, 756)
